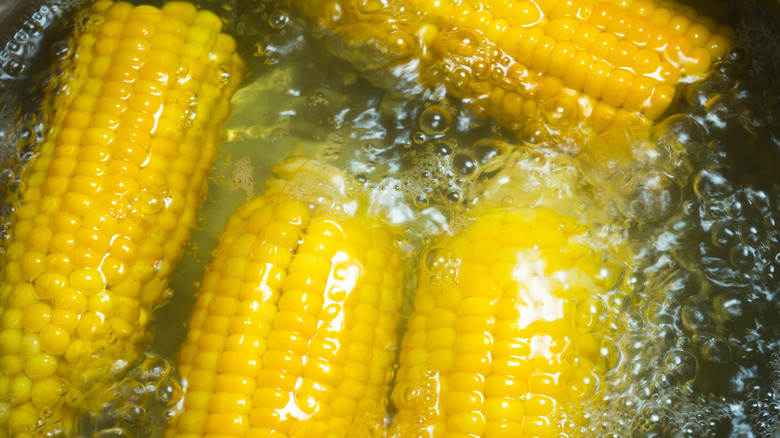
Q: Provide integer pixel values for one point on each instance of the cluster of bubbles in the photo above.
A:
(145, 400)
(700, 363)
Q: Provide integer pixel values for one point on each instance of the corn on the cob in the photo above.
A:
(507, 56)
(107, 204)
(506, 328)
(294, 329)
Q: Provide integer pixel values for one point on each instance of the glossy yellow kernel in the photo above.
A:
(495, 29)
(660, 16)
(116, 90)
(54, 340)
(502, 409)
(679, 24)
(52, 186)
(623, 55)
(503, 429)
(10, 341)
(67, 319)
(639, 93)
(667, 72)
(620, 22)
(616, 88)
(698, 33)
(36, 316)
(603, 45)
(678, 49)
(563, 9)
(99, 66)
(511, 105)
(48, 392)
(523, 13)
(717, 45)
(662, 97)
(658, 37)
(596, 79)
(11, 318)
(539, 426)
(577, 70)
(540, 59)
(601, 14)
(497, 385)
(32, 264)
(697, 62)
(538, 405)
(77, 119)
(646, 62)
(87, 281)
(639, 31)
(527, 45)
(561, 29)
(40, 366)
(20, 388)
(510, 39)
(472, 423)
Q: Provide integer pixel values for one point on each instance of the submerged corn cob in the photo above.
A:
(294, 329)
(516, 60)
(506, 330)
(107, 204)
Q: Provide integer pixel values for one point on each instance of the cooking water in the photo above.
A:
(698, 350)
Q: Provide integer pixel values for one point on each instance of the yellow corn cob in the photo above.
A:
(107, 204)
(505, 57)
(505, 333)
(294, 329)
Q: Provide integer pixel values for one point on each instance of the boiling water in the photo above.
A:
(696, 342)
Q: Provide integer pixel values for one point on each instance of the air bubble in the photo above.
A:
(681, 364)
(715, 350)
(678, 131)
(132, 414)
(724, 235)
(278, 19)
(223, 76)
(534, 134)
(751, 232)
(463, 164)
(421, 201)
(13, 66)
(695, 316)
(739, 57)
(452, 197)
(399, 45)
(435, 120)
(712, 184)
(741, 256)
(463, 42)
(168, 391)
(442, 149)
(649, 196)
(149, 202)
(419, 137)
(561, 110)
(649, 423)
(134, 391)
